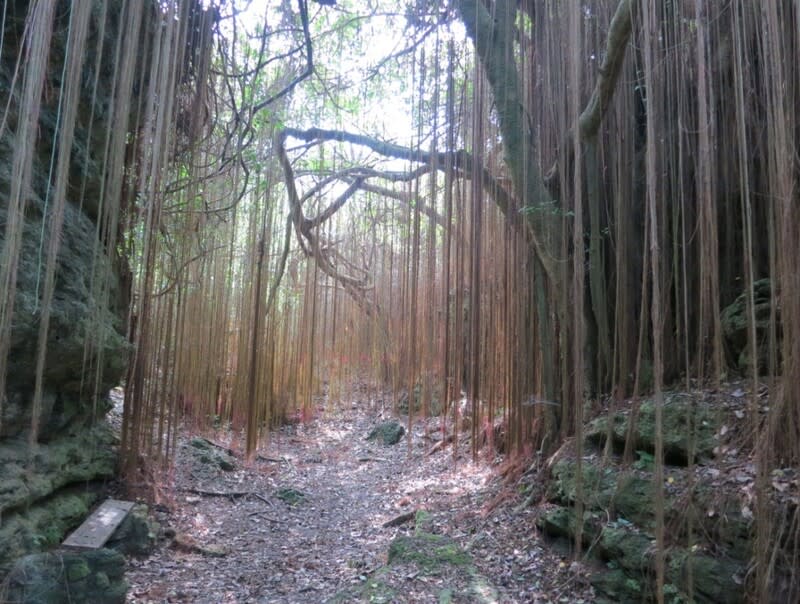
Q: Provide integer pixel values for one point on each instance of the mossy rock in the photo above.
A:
(428, 552)
(95, 576)
(714, 579)
(42, 526)
(76, 317)
(734, 320)
(291, 496)
(560, 522)
(605, 490)
(615, 586)
(206, 453)
(687, 424)
(388, 433)
(717, 515)
(137, 535)
(630, 549)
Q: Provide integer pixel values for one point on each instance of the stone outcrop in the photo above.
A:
(734, 321)
(90, 576)
(47, 486)
(619, 508)
(388, 433)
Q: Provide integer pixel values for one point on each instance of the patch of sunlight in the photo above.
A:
(333, 433)
(201, 525)
(485, 593)
(466, 478)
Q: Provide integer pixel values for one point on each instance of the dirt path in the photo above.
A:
(305, 523)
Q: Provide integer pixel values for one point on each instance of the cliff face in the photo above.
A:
(43, 487)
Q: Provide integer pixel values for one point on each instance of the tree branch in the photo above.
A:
(619, 31)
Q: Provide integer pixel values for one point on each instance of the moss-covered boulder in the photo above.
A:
(86, 346)
(291, 496)
(387, 433)
(42, 526)
(43, 491)
(713, 578)
(707, 565)
(205, 452)
(95, 576)
(627, 495)
(411, 562)
(427, 551)
(734, 320)
(137, 535)
(688, 426)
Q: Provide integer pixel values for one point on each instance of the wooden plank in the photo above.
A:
(100, 525)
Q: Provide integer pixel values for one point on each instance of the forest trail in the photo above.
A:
(305, 522)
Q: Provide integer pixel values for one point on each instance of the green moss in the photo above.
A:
(617, 586)
(290, 496)
(102, 581)
(77, 570)
(630, 549)
(428, 551)
(200, 443)
(388, 433)
(688, 425)
(378, 592)
(713, 579)
(43, 525)
(422, 520)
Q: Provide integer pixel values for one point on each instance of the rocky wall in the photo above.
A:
(46, 487)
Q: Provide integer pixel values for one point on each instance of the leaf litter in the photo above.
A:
(313, 517)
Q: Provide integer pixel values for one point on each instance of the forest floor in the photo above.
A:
(313, 517)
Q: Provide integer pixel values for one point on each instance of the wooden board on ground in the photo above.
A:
(100, 525)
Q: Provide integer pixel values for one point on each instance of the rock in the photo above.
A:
(418, 557)
(42, 526)
(205, 452)
(686, 424)
(427, 551)
(626, 495)
(43, 489)
(137, 535)
(94, 576)
(714, 579)
(38, 502)
(76, 317)
(389, 433)
(290, 496)
(734, 321)
(619, 510)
